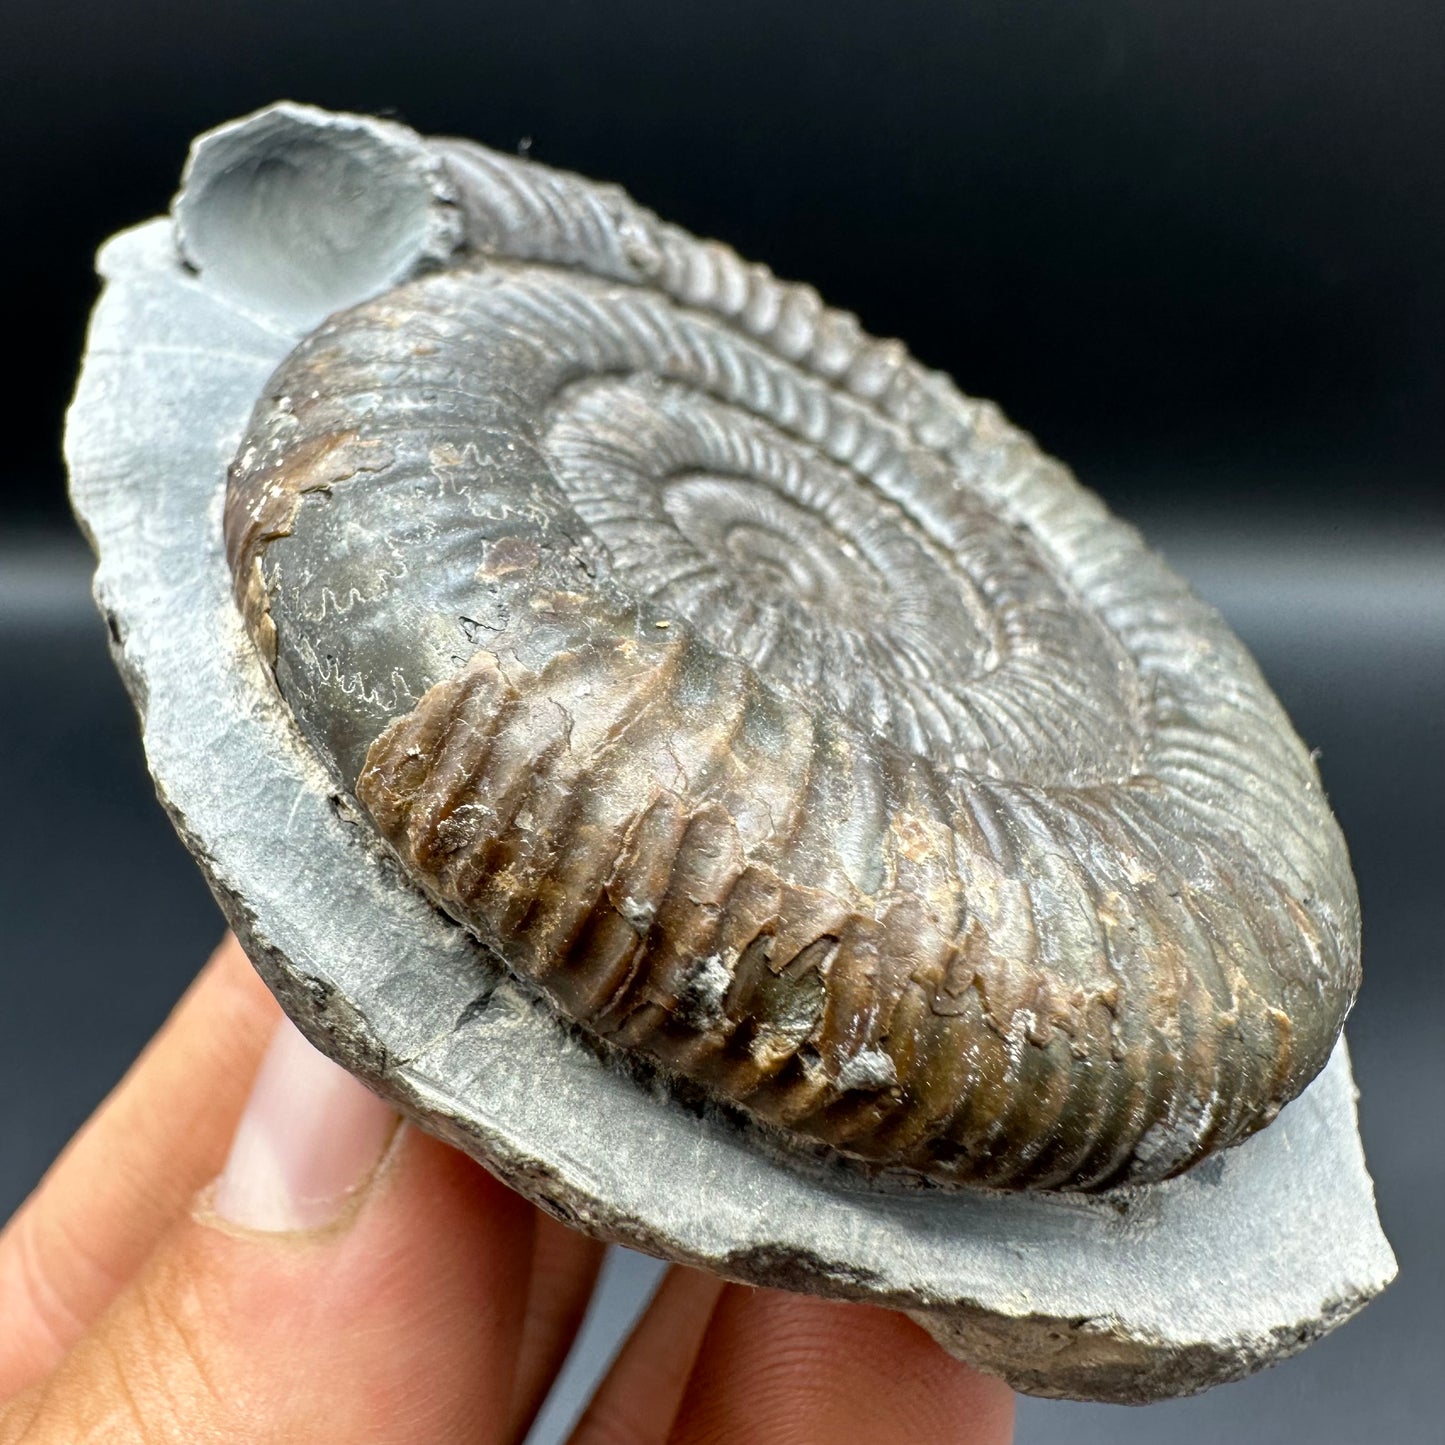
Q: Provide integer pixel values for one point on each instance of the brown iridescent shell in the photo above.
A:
(785, 715)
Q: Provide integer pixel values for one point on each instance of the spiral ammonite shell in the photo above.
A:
(784, 715)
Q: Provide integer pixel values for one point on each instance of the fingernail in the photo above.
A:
(310, 1138)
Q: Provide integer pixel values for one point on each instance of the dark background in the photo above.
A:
(1197, 248)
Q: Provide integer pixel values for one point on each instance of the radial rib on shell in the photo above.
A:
(785, 715)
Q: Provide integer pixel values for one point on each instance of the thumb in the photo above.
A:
(345, 1279)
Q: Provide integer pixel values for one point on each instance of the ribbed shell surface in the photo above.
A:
(785, 715)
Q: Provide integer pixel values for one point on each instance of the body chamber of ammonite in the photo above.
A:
(807, 761)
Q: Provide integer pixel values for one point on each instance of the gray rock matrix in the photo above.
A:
(1131, 1295)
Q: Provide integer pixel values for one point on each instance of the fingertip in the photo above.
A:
(308, 1139)
(637, 1402)
(794, 1369)
(565, 1266)
(231, 968)
(228, 953)
(403, 1311)
(133, 1167)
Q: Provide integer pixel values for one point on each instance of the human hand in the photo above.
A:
(243, 1244)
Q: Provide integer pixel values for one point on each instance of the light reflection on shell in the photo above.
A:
(784, 714)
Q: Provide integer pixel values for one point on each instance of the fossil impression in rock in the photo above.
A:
(782, 714)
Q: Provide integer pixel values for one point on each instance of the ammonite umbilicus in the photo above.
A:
(783, 714)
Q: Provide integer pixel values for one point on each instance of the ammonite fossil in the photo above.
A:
(688, 756)
(783, 714)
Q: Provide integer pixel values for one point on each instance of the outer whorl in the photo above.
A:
(784, 714)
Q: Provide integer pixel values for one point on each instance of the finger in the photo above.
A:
(638, 1400)
(564, 1273)
(133, 1168)
(798, 1371)
(314, 1294)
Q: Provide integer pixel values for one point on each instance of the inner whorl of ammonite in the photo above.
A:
(783, 715)
(808, 571)
(781, 557)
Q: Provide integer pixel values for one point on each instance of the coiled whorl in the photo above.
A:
(785, 715)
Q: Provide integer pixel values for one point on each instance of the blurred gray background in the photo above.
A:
(1198, 249)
